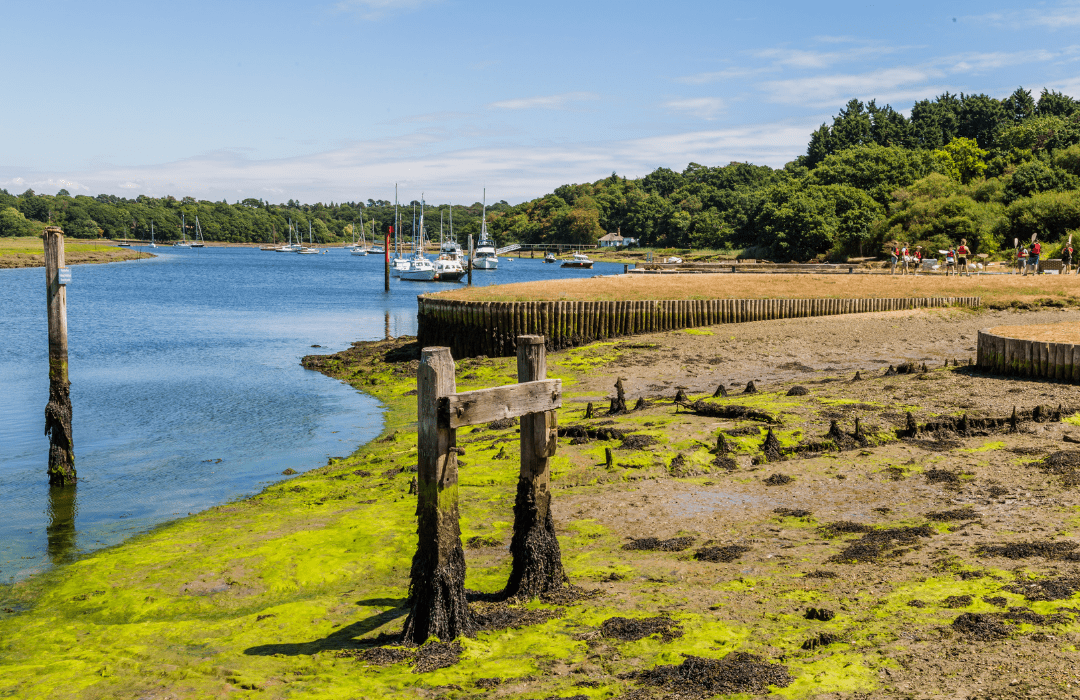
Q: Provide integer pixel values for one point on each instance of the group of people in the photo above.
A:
(956, 258)
(908, 259)
(1028, 258)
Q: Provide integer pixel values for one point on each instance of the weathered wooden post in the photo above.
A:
(386, 260)
(470, 259)
(58, 410)
(437, 590)
(537, 560)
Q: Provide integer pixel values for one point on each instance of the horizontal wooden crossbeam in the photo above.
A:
(497, 403)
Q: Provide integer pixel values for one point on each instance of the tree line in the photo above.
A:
(247, 221)
(960, 166)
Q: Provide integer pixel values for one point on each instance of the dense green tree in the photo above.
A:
(14, 223)
(1055, 104)
(877, 170)
(1020, 105)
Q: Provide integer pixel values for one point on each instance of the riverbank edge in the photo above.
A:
(18, 261)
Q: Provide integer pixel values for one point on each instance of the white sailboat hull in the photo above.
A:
(491, 263)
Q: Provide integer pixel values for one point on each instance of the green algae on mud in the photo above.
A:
(278, 595)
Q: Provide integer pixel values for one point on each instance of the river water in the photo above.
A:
(186, 385)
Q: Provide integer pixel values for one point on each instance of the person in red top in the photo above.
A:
(1066, 257)
(1033, 258)
(895, 257)
(917, 258)
(962, 254)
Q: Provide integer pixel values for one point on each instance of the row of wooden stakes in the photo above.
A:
(473, 328)
(1028, 358)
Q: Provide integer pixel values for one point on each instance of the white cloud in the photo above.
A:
(370, 169)
(377, 9)
(888, 84)
(725, 74)
(545, 101)
(797, 58)
(1063, 16)
(964, 63)
(701, 107)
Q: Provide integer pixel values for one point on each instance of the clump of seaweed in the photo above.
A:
(953, 515)
(1024, 550)
(738, 672)
(629, 629)
(878, 544)
(983, 627)
(653, 544)
(721, 554)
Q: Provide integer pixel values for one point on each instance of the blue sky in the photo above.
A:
(338, 100)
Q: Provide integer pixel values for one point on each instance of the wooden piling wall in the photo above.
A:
(1036, 359)
(471, 328)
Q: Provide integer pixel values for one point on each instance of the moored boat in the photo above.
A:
(579, 260)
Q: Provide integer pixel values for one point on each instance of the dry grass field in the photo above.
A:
(1068, 332)
(993, 289)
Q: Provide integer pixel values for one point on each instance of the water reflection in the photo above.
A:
(388, 336)
(60, 531)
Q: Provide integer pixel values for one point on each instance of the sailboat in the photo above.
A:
(183, 242)
(420, 268)
(198, 242)
(361, 247)
(376, 247)
(310, 249)
(291, 247)
(448, 267)
(399, 263)
(152, 244)
(485, 257)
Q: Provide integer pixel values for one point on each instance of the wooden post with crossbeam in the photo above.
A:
(437, 589)
(58, 410)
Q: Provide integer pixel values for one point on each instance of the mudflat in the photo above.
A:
(861, 515)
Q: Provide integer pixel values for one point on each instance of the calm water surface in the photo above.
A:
(186, 385)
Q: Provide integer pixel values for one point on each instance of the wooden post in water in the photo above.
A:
(470, 259)
(58, 410)
(537, 561)
(386, 262)
(437, 590)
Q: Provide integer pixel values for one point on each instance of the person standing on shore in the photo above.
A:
(895, 257)
(905, 256)
(1066, 256)
(916, 258)
(1033, 258)
(950, 261)
(962, 254)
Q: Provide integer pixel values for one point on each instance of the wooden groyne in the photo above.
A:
(1022, 357)
(472, 328)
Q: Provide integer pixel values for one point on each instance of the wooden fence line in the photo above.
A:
(471, 328)
(1028, 358)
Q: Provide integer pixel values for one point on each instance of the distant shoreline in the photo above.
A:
(15, 258)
